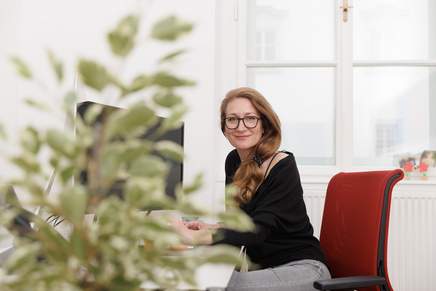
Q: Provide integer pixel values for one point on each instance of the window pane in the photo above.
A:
(386, 29)
(290, 30)
(306, 111)
(394, 113)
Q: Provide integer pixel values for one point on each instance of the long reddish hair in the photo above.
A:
(249, 175)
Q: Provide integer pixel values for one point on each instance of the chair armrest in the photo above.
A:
(349, 282)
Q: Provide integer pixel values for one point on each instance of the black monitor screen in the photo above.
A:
(175, 174)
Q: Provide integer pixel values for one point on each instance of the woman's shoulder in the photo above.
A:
(232, 162)
(284, 161)
(232, 154)
(284, 157)
(281, 161)
(233, 157)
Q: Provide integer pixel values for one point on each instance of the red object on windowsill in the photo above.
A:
(423, 167)
(408, 167)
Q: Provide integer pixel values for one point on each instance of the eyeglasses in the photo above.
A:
(232, 122)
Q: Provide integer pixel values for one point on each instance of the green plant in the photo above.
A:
(123, 246)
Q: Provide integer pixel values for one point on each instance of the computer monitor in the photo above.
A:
(22, 218)
(175, 173)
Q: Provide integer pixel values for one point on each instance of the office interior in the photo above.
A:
(355, 91)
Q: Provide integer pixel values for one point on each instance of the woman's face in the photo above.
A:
(243, 138)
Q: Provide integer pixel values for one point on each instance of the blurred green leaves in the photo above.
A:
(174, 120)
(122, 38)
(222, 255)
(30, 140)
(170, 28)
(167, 99)
(22, 257)
(56, 65)
(133, 121)
(140, 82)
(172, 56)
(73, 202)
(3, 134)
(168, 80)
(21, 68)
(36, 104)
(61, 143)
(195, 185)
(234, 219)
(93, 74)
(148, 166)
(170, 150)
(110, 164)
(26, 162)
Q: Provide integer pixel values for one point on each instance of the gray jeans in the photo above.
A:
(294, 276)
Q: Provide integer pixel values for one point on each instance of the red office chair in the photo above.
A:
(354, 230)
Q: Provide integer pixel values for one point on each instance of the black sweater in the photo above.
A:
(283, 232)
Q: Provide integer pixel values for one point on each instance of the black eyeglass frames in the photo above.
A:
(249, 122)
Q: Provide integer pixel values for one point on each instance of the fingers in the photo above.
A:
(194, 225)
(193, 232)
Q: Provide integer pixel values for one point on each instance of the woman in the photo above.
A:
(282, 245)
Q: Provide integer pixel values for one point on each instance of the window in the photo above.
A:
(352, 93)
(277, 51)
(394, 94)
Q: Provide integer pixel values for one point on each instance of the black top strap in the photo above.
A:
(269, 165)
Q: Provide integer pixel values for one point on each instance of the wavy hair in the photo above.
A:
(249, 175)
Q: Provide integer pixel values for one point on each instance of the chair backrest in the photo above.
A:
(354, 230)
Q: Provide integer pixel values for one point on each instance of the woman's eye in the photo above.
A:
(231, 119)
(251, 118)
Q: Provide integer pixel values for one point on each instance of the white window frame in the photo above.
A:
(232, 72)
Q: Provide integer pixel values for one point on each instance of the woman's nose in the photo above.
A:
(241, 126)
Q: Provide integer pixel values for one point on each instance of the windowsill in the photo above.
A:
(429, 181)
(325, 180)
(323, 174)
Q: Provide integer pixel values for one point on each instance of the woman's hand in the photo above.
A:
(198, 225)
(200, 235)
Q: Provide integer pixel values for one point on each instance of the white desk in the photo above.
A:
(5, 253)
(208, 275)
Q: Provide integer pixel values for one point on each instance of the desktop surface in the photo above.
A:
(206, 276)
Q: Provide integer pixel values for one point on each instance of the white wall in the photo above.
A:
(76, 28)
